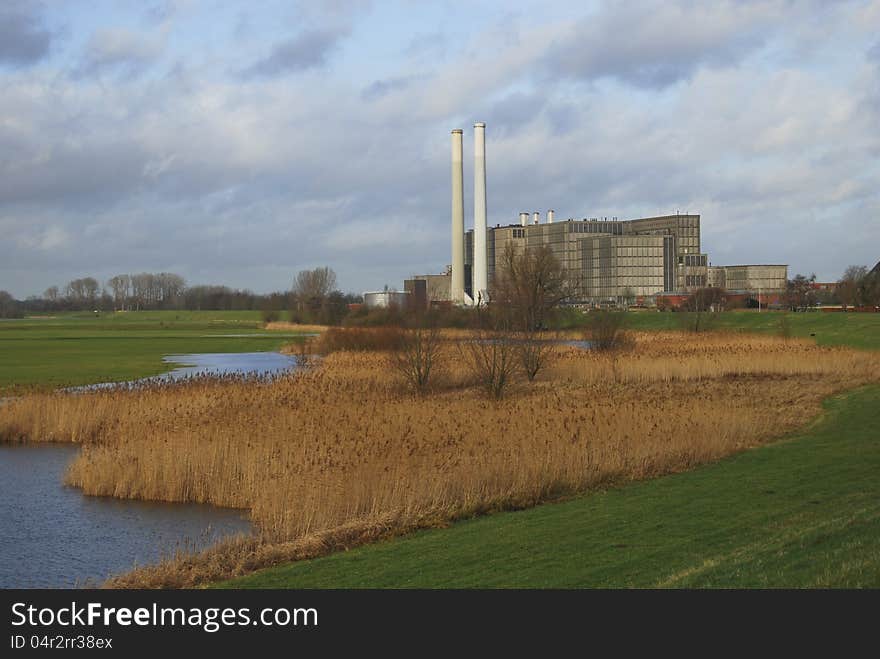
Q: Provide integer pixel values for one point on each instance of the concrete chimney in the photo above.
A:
(523, 218)
(457, 279)
(536, 218)
(550, 217)
(481, 264)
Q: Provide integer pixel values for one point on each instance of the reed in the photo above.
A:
(341, 454)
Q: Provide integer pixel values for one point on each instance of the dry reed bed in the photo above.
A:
(340, 455)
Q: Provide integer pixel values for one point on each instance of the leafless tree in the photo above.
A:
(417, 357)
(492, 352)
(120, 286)
(83, 291)
(312, 288)
(848, 288)
(52, 294)
(527, 288)
(528, 285)
(534, 353)
(8, 306)
(698, 308)
(800, 292)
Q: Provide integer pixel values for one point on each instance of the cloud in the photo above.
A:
(379, 88)
(245, 184)
(24, 40)
(655, 44)
(121, 51)
(308, 50)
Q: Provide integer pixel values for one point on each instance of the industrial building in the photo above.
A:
(607, 260)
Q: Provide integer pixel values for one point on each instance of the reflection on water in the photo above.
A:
(52, 535)
(252, 364)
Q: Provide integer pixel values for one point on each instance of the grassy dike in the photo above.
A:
(857, 330)
(82, 348)
(802, 512)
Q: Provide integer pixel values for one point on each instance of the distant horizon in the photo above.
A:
(237, 145)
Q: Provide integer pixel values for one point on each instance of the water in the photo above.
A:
(256, 364)
(53, 536)
(227, 363)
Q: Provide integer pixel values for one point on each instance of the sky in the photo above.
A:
(237, 143)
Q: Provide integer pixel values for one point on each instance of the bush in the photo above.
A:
(605, 329)
(360, 339)
(534, 353)
(492, 358)
(270, 315)
(417, 355)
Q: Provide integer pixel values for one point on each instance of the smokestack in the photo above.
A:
(523, 218)
(481, 266)
(550, 217)
(457, 279)
(536, 217)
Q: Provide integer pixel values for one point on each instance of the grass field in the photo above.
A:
(800, 513)
(858, 330)
(73, 349)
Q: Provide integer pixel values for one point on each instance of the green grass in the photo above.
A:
(82, 348)
(803, 512)
(858, 330)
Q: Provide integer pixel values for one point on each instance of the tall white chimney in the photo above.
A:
(536, 217)
(550, 217)
(523, 218)
(481, 266)
(457, 279)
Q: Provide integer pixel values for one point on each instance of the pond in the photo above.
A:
(52, 536)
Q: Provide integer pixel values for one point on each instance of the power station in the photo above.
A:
(606, 260)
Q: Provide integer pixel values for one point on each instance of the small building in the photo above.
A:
(386, 299)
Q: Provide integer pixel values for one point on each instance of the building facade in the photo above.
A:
(764, 278)
(609, 260)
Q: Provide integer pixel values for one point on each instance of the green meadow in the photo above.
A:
(85, 348)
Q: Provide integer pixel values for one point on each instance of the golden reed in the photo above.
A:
(341, 454)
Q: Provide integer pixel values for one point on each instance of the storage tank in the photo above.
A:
(385, 299)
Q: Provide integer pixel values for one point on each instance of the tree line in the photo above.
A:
(313, 297)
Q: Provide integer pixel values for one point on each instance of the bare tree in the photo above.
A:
(8, 306)
(120, 286)
(311, 289)
(534, 353)
(527, 288)
(417, 356)
(849, 286)
(52, 294)
(529, 284)
(492, 353)
(800, 292)
(701, 303)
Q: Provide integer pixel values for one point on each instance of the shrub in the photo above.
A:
(605, 329)
(359, 339)
(270, 315)
(492, 359)
(416, 356)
